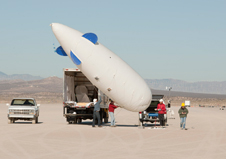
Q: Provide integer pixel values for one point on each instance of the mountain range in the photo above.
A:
(51, 85)
(207, 87)
(25, 77)
(212, 87)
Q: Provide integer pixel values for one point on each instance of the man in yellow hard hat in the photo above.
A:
(183, 115)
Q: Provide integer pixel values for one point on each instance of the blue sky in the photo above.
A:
(159, 39)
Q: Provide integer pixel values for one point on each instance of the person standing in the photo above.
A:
(161, 108)
(96, 111)
(112, 108)
(183, 112)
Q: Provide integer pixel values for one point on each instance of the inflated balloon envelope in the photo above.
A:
(103, 68)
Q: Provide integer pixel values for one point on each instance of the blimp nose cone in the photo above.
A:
(56, 27)
(64, 31)
(66, 36)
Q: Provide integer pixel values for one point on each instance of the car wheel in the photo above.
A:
(76, 121)
(79, 120)
(142, 123)
(36, 120)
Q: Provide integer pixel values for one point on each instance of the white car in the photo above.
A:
(23, 109)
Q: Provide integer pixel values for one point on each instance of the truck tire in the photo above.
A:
(142, 123)
(106, 120)
(36, 120)
(79, 121)
(33, 120)
(76, 121)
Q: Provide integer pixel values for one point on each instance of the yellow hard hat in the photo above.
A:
(182, 104)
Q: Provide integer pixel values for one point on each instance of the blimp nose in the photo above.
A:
(66, 36)
(64, 31)
(56, 27)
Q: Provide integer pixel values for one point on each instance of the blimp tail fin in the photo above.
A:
(75, 59)
(60, 51)
(91, 37)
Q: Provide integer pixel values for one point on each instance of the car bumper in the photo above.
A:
(21, 116)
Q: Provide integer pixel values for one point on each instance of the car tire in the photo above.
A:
(79, 121)
(142, 123)
(36, 120)
(76, 121)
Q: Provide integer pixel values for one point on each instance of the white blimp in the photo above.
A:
(103, 68)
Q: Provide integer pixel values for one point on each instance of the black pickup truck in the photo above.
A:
(150, 115)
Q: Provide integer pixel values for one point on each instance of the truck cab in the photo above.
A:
(78, 95)
(23, 109)
(150, 114)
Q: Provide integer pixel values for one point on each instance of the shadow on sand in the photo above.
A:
(89, 123)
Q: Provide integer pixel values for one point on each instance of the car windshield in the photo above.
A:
(25, 102)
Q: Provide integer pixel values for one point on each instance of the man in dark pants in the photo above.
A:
(161, 108)
(96, 111)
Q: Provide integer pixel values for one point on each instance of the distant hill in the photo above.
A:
(50, 90)
(183, 86)
(2, 74)
(55, 85)
(50, 84)
(188, 94)
(25, 77)
(25, 83)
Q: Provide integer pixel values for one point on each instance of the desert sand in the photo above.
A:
(54, 138)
